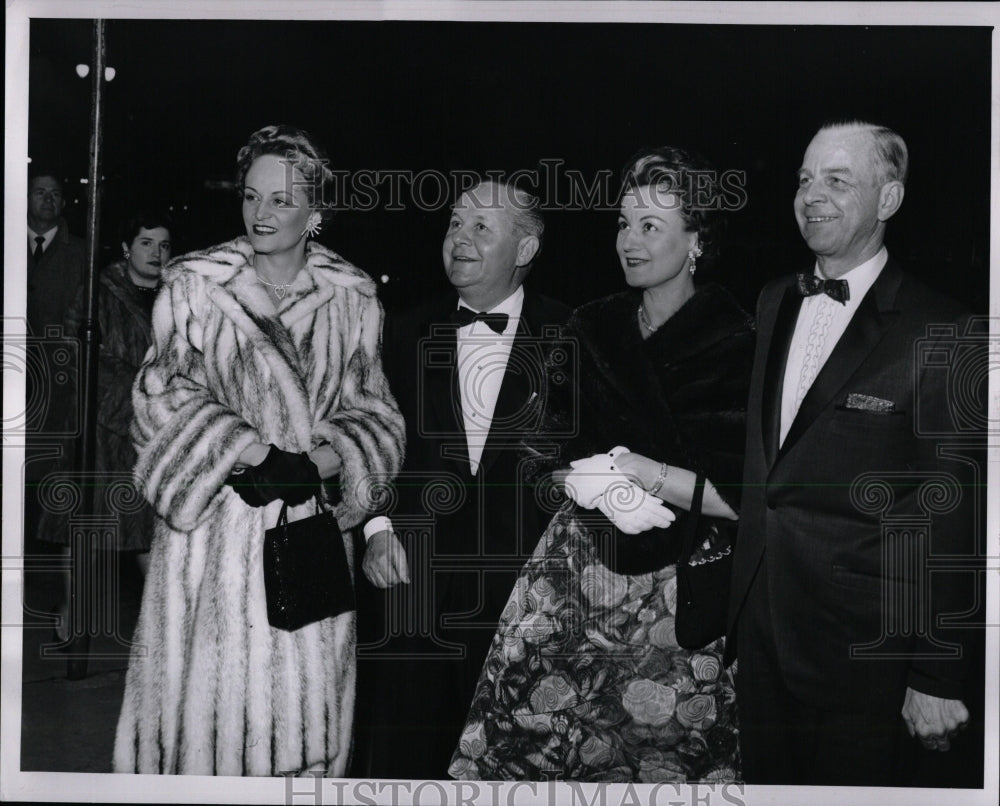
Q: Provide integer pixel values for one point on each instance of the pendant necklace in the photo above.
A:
(280, 289)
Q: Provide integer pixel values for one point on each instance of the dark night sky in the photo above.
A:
(446, 95)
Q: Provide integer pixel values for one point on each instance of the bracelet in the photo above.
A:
(659, 479)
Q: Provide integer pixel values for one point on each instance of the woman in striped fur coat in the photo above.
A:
(265, 358)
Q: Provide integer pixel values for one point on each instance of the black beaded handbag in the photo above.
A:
(306, 575)
(704, 570)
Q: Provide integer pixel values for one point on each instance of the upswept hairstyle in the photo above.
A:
(892, 161)
(303, 151)
(695, 182)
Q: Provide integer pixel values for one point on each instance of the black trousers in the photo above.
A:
(785, 741)
(413, 693)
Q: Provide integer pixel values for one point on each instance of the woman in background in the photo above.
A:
(585, 679)
(126, 291)
(265, 360)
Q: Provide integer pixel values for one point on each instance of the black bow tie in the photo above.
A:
(497, 322)
(810, 284)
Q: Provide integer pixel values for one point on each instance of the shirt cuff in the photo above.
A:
(376, 525)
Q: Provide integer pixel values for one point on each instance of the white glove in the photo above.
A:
(590, 477)
(597, 482)
(632, 509)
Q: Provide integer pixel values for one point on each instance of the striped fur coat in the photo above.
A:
(211, 688)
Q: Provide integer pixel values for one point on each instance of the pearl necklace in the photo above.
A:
(645, 321)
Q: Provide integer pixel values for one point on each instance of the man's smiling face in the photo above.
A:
(838, 197)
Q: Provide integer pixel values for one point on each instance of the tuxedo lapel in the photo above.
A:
(438, 376)
(774, 374)
(867, 327)
(519, 380)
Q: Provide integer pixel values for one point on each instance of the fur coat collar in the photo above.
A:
(707, 319)
(230, 266)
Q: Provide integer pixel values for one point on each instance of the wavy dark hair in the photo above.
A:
(695, 182)
(146, 219)
(302, 150)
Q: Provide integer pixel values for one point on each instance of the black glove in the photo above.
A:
(292, 477)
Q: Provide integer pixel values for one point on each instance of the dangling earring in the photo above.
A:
(693, 256)
(312, 225)
(127, 254)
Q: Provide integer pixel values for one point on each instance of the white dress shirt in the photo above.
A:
(814, 309)
(482, 362)
(48, 235)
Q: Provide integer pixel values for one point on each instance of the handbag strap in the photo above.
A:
(694, 514)
(283, 515)
(687, 547)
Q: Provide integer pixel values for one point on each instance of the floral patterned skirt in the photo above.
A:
(585, 680)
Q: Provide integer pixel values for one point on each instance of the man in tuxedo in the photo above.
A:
(835, 614)
(468, 371)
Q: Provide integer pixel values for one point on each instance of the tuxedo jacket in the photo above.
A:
(476, 531)
(865, 513)
(422, 644)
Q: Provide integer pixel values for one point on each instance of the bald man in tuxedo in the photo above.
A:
(466, 369)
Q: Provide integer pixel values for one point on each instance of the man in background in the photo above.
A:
(56, 261)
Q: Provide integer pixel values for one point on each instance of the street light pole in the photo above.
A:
(82, 607)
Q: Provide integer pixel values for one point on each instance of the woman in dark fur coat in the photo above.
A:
(585, 679)
(125, 297)
(264, 381)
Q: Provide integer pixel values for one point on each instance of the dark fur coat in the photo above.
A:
(678, 397)
(125, 336)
